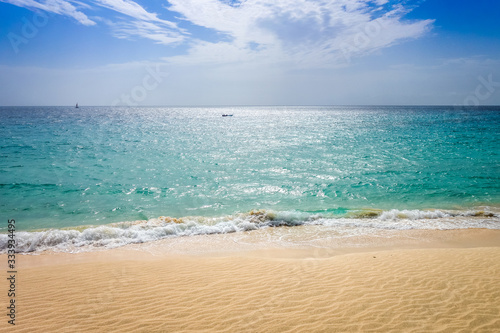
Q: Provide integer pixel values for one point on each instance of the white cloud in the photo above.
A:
(302, 33)
(143, 24)
(59, 7)
(133, 10)
(305, 33)
(137, 22)
(157, 32)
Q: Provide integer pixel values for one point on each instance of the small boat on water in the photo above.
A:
(227, 115)
(76, 107)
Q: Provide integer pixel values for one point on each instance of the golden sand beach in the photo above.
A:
(440, 281)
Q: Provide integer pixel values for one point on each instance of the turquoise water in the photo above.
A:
(64, 167)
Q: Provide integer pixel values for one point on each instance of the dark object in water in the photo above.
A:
(227, 115)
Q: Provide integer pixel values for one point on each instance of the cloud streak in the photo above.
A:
(133, 10)
(128, 19)
(302, 33)
(59, 7)
(126, 29)
(143, 24)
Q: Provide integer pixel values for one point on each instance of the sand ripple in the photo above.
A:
(424, 290)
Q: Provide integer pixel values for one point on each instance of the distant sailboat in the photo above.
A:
(76, 107)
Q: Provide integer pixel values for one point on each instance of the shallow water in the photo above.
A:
(62, 167)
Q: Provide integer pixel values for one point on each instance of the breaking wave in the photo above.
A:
(88, 238)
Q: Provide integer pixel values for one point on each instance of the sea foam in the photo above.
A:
(355, 223)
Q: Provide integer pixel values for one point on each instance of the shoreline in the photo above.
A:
(366, 221)
(413, 281)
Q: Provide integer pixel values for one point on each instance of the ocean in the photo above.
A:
(100, 177)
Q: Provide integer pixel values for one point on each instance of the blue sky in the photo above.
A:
(254, 52)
